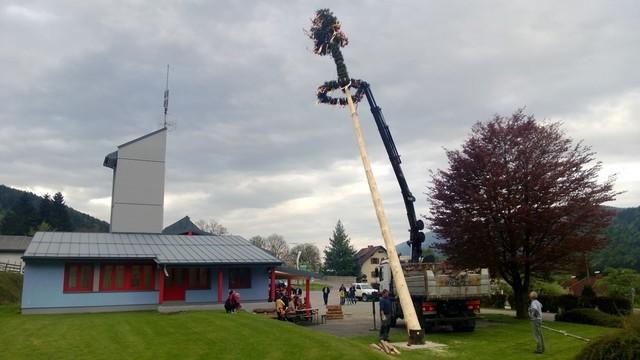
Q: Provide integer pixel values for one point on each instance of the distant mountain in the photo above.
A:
(405, 250)
(80, 222)
(623, 250)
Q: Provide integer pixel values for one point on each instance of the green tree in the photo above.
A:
(43, 226)
(59, 216)
(340, 257)
(309, 256)
(619, 282)
(20, 218)
(429, 255)
(44, 210)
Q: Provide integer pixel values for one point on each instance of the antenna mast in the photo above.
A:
(166, 98)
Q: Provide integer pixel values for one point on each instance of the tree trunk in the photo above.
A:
(520, 299)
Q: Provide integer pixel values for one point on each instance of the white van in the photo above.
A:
(364, 291)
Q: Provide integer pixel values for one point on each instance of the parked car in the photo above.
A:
(364, 291)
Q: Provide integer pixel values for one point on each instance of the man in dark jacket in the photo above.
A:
(325, 294)
(385, 315)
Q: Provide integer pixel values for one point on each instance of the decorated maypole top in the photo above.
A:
(328, 38)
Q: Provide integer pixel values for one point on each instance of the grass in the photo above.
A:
(150, 335)
(503, 338)
(315, 286)
(10, 287)
(214, 334)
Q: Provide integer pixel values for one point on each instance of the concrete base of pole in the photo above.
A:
(416, 337)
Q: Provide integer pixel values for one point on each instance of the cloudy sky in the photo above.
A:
(252, 149)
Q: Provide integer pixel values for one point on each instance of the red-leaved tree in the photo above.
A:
(520, 198)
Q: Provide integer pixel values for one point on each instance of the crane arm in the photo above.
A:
(416, 236)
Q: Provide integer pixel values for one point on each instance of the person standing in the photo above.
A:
(325, 294)
(385, 315)
(342, 294)
(535, 314)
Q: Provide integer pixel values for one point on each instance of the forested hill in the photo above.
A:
(10, 197)
(623, 250)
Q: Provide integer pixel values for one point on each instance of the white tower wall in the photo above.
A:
(137, 200)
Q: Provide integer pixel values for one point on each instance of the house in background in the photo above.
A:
(369, 259)
(138, 266)
(12, 248)
(184, 226)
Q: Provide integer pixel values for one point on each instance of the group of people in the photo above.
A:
(232, 304)
(287, 305)
(347, 296)
(288, 302)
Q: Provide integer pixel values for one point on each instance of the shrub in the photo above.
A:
(549, 303)
(624, 344)
(591, 317)
(587, 298)
(496, 301)
(10, 287)
(567, 302)
(614, 305)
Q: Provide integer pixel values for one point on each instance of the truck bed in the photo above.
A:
(426, 280)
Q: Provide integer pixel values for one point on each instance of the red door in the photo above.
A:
(175, 285)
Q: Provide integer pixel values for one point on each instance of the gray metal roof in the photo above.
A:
(164, 249)
(183, 226)
(14, 243)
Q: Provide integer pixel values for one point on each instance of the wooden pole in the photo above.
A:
(411, 319)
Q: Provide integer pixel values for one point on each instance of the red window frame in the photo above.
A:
(199, 281)
(109, 283)
(76, 283)
(240, 278)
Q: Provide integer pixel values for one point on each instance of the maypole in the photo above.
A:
(328, 39)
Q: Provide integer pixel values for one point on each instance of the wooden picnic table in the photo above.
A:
(310, 315)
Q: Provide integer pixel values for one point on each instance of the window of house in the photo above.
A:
(375, 261)
(199, 278)
(373, 274)
(127, 277)
(240, 278)
(78, 277)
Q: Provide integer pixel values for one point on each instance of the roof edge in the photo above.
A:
(142, 137)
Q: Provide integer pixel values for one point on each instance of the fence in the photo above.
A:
(11, 267)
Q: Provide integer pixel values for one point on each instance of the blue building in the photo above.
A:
(82, 272)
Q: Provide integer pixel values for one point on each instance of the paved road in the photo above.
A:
(358, 318)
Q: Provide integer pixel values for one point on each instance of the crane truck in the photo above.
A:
(440, 295)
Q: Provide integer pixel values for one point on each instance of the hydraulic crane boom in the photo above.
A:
(416, 236)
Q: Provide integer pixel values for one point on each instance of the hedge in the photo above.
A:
(591, 317)
(623, 345)
(614, 305)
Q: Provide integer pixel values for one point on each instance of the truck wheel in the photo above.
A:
(466, 326)
(364, 297)
(427, 327)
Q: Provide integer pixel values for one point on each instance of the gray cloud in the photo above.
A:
(251, 148)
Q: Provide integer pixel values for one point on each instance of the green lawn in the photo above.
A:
(503, 338)
(150, 335)
(315, 286)
(214, 334)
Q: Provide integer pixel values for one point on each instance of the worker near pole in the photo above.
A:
(385, 315)
(535, 314)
